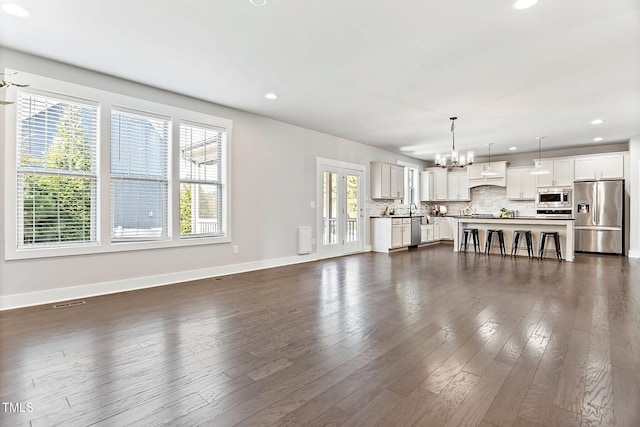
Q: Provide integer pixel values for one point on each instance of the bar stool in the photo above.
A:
(487, 246)
(473, 232)
(556, 241)
(528, 239)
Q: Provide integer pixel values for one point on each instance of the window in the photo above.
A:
(139, 181)
(56, 171)
(201, 180)
(91, 171)
(411, 183)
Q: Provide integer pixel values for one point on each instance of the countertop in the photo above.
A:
(395, 216)
(512, 218)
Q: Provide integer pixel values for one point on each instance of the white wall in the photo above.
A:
(634, 196)
(273, 180)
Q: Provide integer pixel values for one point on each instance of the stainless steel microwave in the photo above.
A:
(554, 198)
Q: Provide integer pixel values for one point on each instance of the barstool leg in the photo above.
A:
(487, 244)
(556, 240)
(529, 239)
(476, 241)
(503, 249)
(541, 250)
(514, 244)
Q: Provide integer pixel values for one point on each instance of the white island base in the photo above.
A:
(508, 225)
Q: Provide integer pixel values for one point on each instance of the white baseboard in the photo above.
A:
(9, 302)
(634, 254)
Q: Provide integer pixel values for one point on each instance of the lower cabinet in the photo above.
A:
(390, 233)
(426, 233)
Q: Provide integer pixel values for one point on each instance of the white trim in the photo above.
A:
(108, 100)
(634, 254)
(9, 302)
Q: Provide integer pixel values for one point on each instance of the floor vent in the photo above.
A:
(68, 304)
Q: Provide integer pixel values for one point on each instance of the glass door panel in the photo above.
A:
(329, 208)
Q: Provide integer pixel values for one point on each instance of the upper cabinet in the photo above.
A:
(433, 185)
(560, 173)
(521, 185)
(387, 181)
(604, 166)
(458, 186)
(476, 178)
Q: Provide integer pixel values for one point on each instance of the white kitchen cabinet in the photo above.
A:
(397, 182)
(387, 181)
(605, 166)
(436, 228)
(521, 185)
(476, 179)
(560, 173)
(396, 233)
(400, 232)
(440, 184)
(458, 186)
(426, 233)
(426, 186)
(446, 228)
(390, 233)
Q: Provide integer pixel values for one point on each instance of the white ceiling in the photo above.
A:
(385, 73)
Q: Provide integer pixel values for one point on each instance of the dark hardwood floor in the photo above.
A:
(426, 338)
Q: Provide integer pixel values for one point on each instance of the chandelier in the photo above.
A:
(457, 160)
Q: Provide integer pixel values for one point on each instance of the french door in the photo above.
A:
(340, 208)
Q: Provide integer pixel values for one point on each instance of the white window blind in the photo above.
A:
(56, 171)
(139, 176)
(201, 180)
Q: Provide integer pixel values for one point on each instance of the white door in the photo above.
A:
(341, 209)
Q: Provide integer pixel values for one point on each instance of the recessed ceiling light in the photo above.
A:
(598, 139)
(15, 10)
(597, 121)
(524, 4)
(258, 2)
(513, 148)
(271, 95)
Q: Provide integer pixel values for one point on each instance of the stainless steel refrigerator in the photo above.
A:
(599, 216)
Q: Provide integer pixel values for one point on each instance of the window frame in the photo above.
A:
(407, 200)
(107, 100)
(218, 182)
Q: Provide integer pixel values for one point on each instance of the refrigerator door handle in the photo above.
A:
(594, 203)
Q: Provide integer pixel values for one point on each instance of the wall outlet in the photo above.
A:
(313, 241)
(312, 205)
(235, 249)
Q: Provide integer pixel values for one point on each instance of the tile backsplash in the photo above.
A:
(486, 199)
(489, 199)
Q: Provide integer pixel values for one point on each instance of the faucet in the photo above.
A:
(410, 211)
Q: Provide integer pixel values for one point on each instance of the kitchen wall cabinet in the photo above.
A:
(458, 186)
(433, 185)
(426, 186)
(476, 179)
(387, 181)
(560, 173)
(605, 166)
(521, 185)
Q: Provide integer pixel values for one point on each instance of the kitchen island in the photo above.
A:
(564, 226)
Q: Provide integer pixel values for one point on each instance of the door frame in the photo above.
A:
(342, 168)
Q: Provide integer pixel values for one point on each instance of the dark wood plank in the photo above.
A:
(423, 337)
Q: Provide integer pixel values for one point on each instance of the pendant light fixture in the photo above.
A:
(538, 169)
(457, 160)
(489, 171)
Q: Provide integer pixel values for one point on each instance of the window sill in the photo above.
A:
(110, 247)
